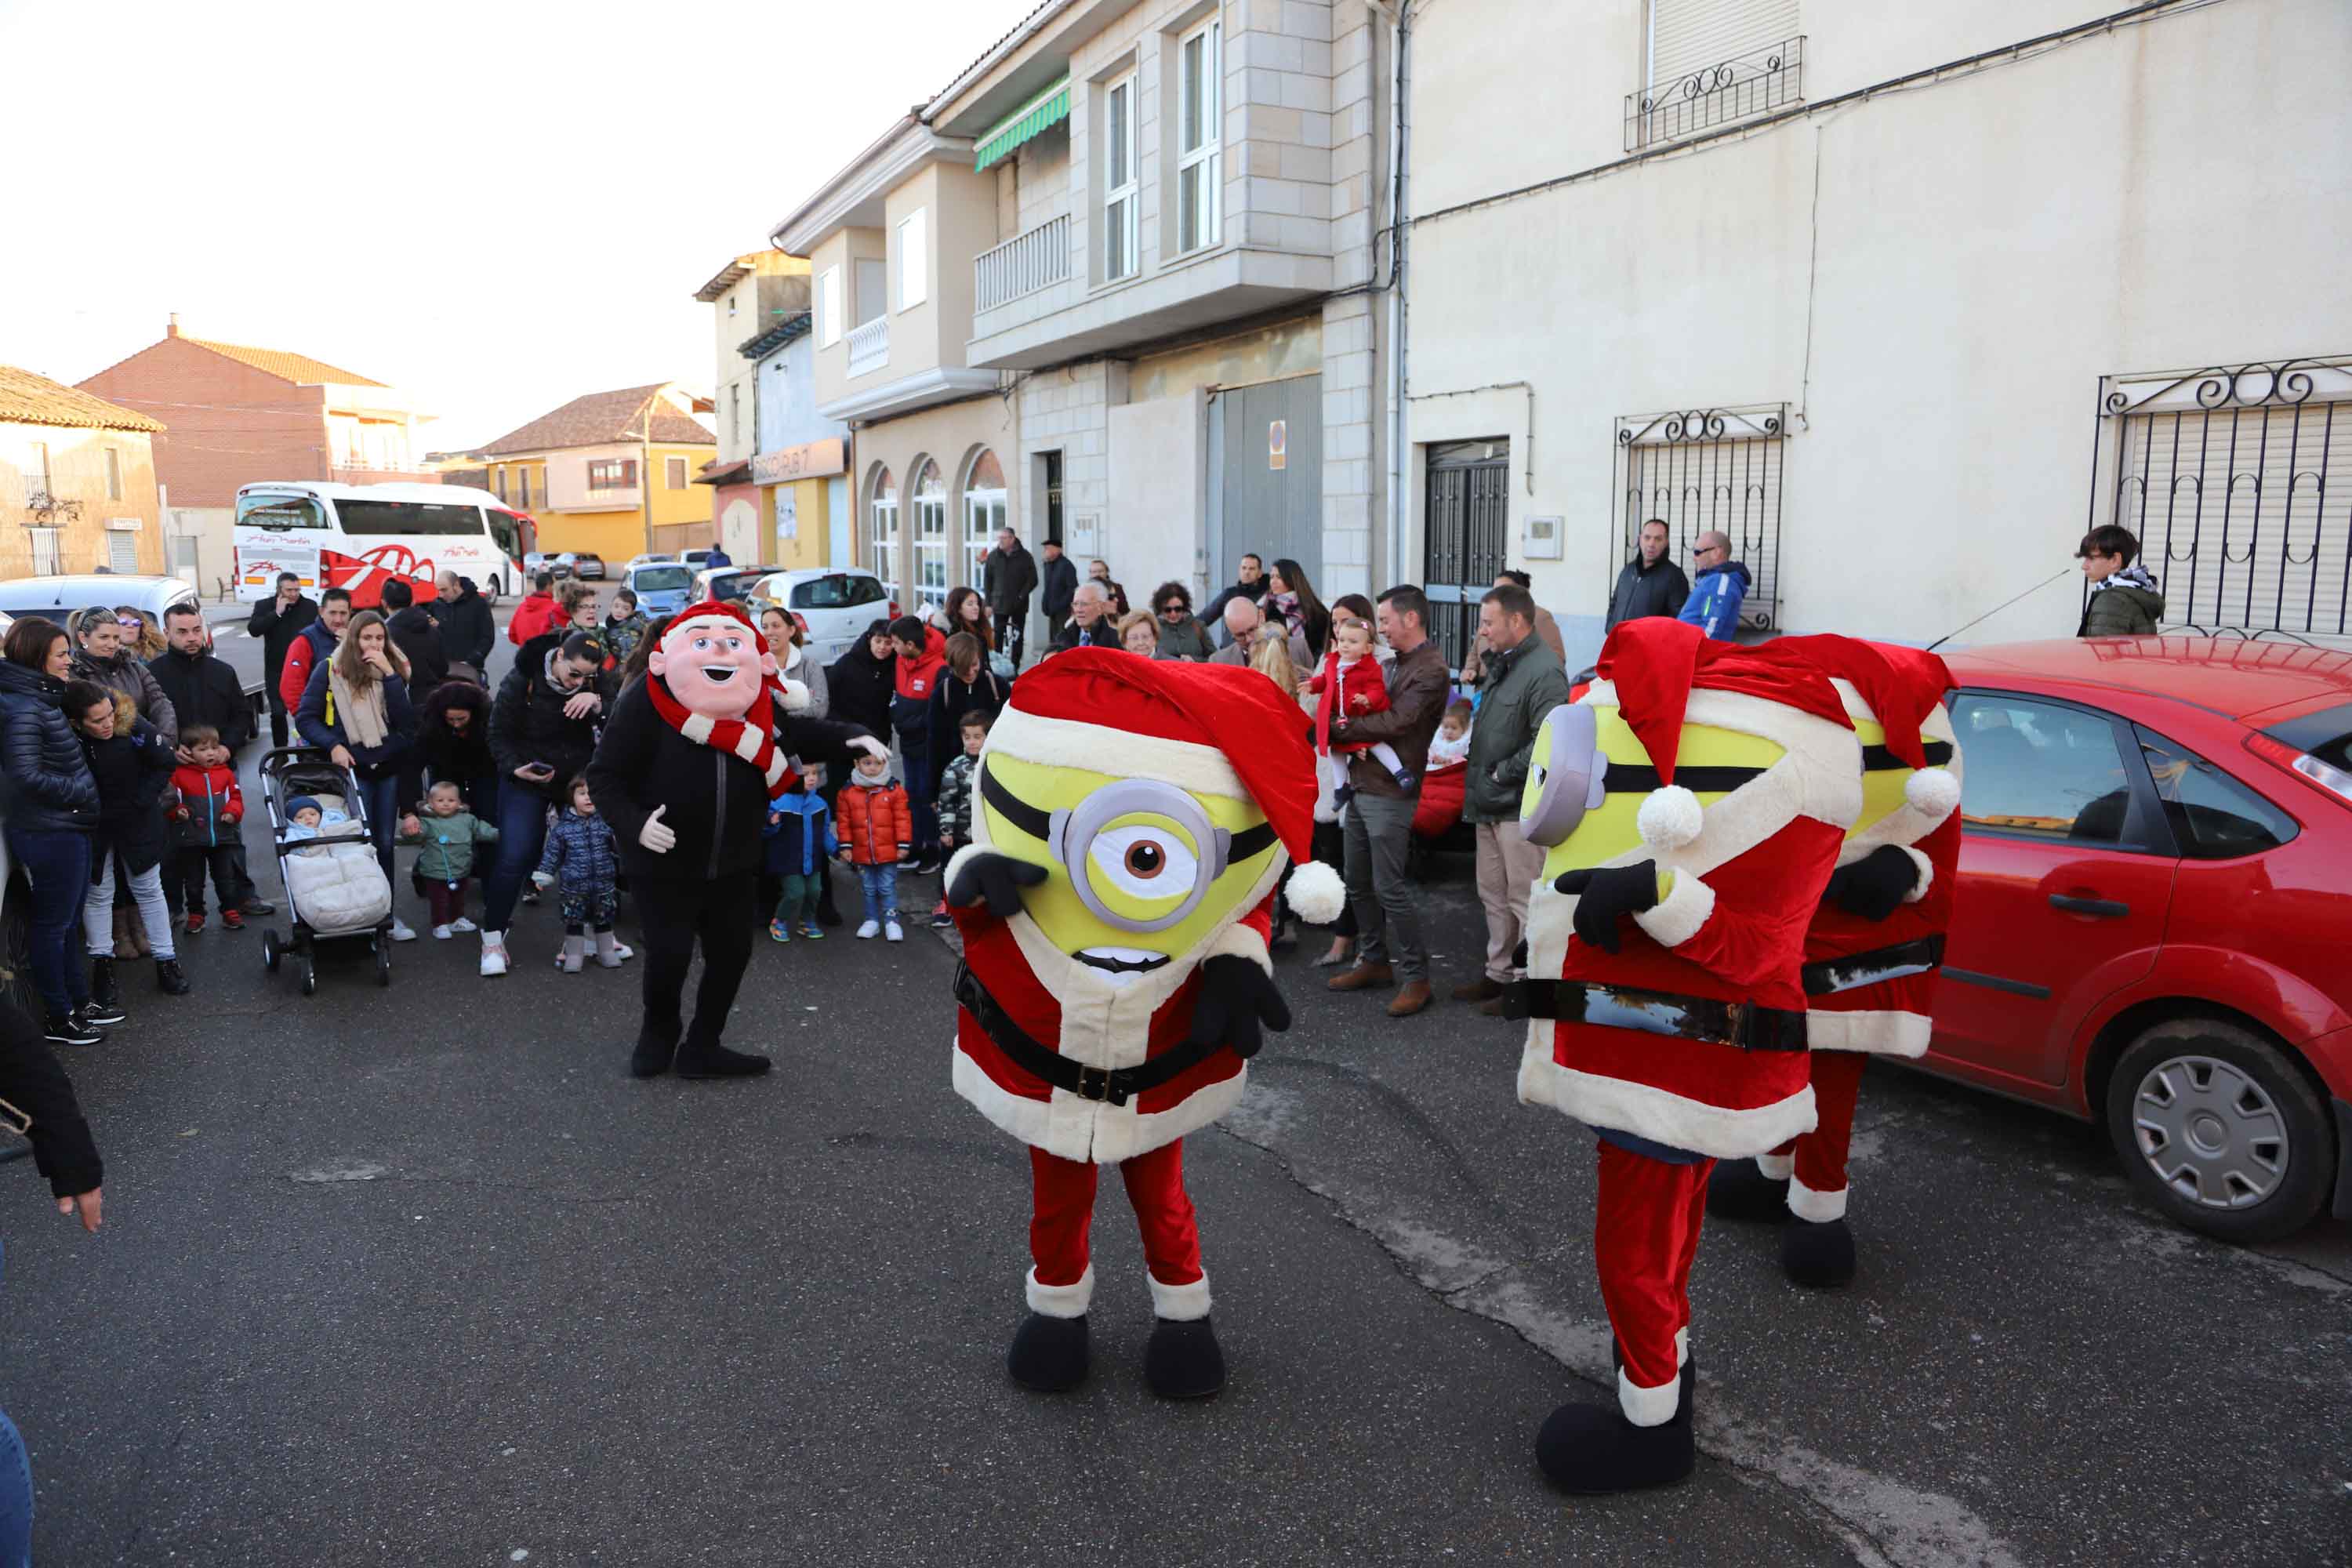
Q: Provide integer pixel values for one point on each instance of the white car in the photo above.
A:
(837, 605)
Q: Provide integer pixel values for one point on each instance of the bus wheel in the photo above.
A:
(491, 591)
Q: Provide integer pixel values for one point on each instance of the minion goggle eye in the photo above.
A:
(1573, 780)
(1148, 844)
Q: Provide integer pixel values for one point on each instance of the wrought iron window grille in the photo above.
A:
(1700, 469)
(2237, 481)
(1754, 83)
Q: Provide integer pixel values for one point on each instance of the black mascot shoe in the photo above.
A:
(1182, 1361)
(713, 1060)
(1737, 1190)
(1048, 1354)
(1817, 1254)
(651, 1056)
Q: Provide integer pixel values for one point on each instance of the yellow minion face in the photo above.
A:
(1883, 777)
(1589, 774)
(1138, 871)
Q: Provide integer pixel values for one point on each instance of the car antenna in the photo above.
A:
(1997, 609)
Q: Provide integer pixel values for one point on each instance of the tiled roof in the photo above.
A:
(29, 399)
(299, 369)
(604, 417)
(795, 325)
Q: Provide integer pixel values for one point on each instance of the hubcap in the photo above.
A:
(2210, 1133)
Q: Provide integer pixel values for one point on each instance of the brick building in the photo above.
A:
(77, 481)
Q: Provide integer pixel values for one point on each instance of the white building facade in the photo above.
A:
(1904, 299)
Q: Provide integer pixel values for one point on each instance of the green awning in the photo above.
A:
(1043, 112)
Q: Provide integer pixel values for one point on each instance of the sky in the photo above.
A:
(496, 206)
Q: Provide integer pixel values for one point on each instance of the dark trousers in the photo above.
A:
(277, 718)
(1378, 835)
(57, 864)
(1011, 628)
(522, 838)
(231, 886)
(915, 746)
(675, 914)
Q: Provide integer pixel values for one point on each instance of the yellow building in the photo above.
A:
(77, 481)
(612, 472)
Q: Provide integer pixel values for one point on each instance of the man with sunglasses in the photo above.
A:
(1714, 602)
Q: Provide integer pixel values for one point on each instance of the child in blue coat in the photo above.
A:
(800, 844)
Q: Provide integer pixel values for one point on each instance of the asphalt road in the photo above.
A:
(418, 1276)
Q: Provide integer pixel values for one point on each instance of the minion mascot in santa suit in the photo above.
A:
(1875, 944)
(1133, 820)
(1692, 803)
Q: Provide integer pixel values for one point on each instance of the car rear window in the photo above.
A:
(838, 591)
(661, 579)
(2213, 816)
(2326, 734)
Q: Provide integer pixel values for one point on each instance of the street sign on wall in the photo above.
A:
(1277, 444)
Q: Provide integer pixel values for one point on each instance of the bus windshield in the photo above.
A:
(280, 512)
(404, 517)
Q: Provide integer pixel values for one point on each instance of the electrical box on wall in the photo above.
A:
(1542, 540)
(1085, 530)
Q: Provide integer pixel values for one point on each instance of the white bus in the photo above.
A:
(356, 536)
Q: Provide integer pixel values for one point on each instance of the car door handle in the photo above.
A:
(2108, 907)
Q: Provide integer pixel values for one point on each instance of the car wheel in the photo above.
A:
(2213, 1122)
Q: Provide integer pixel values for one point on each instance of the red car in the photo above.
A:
(2155, 917)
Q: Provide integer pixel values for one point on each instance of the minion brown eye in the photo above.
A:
(1145, 859)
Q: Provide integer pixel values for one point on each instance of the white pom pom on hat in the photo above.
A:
(1315, 893)
(1933, 791)
(1670, 817)
(796, 697)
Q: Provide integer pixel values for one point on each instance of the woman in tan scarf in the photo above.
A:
(356, 708)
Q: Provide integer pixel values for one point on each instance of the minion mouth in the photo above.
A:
(1121, 963)
(719, 674)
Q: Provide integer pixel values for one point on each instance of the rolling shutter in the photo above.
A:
(1692, 36)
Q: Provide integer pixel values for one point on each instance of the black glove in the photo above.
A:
(1236, 995)
(1875, 885)
(1607, 893)
(995, 881)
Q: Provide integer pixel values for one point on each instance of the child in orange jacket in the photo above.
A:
(875, 820)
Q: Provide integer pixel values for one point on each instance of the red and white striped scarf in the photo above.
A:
(755, 744)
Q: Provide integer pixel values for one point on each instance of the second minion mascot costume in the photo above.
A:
(1132, 821)
(1692, 803)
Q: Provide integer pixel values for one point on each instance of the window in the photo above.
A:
(368, 517)
(1198, 193)
(828, 307)
(1119, 166)
(114, 474)
(731, 304)
(838, 591)
(45, 550)
(1710, 62)
(735, 415)
(280, 511)
(612, 474)
(2039, 769)
(983, 513)
(883, 544)
(674, 473)
(499, 479)
(931, 537)
(2213, 816)
(36, 474)
(522, 488)
(1699, 469)
(914, 259)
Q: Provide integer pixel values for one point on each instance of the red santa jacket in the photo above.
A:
(1348, 691)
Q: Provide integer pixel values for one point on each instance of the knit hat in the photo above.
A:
(301, 803)
(1211, 729)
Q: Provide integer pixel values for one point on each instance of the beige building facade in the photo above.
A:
(77, 488)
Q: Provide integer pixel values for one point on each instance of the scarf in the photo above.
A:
(361, 714)
(736, 737)
(1287, 606)
(2134, 575)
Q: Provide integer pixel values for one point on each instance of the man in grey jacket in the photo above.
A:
(1650, 585)
(1523, 682)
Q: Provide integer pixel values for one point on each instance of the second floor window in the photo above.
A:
(114, 474)
(612, 474)
(914, 260)
(1120, 166)
(522, 488)
(1201, 67)
(735, 415)
(828, 307)
(674, 473)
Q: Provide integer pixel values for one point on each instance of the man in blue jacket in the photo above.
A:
(1714, 602)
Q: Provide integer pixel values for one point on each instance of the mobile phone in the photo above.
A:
(545, 769)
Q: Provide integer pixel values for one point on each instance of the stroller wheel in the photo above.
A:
(309, 976)
(270, 950)
(382, 962)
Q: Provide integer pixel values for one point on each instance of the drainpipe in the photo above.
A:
(1398, 321)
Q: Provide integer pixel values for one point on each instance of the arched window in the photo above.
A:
(930, 498)
(883, 537)
(983, 513)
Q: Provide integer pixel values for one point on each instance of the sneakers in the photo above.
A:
(622, 950)
(530, 894)
(170, 979)
(232, 920)
(99, 1014)
(196, 922)
(401, 930)
(870, 929)
(494, 953)
(258, 908)
(941, 919)
(442, 934)
(812, 930)
(462, 924)
(71, 1030)
(780, 931)
(890, 930)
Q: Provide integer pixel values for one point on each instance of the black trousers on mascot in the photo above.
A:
(677, 913)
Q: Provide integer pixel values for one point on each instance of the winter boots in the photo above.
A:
(1594, 1448)
(1182, 1361)
(575, 950)
(103, 988)
(608, 950)
(169, 978)
(1816, 1253)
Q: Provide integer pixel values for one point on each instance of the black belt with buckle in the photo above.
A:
(1107, 1085)
(1917, 956)
(1707, 1018)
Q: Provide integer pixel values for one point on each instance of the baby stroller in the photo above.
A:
(334, 886)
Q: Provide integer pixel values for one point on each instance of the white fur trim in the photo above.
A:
(1819, 1208)
(1669, 817)
(1062, 1300)
(1238, 941)
(1180, 1303)
(1123, 753)
(1776, 1167)
(1655, 1113)
(1649, 1406)
(1879, 1031)
(1933, 791)
(796, 695)
(1682, 1349)
(1925, 878)
(698, 728)
(1678, 917)
(1317, 893)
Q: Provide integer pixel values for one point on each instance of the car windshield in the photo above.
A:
(280, 511)
(837, 592)
(661, 579)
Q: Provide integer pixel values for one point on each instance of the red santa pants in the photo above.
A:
(1064, 1213)
(1815, 1160)
(1645, 1238)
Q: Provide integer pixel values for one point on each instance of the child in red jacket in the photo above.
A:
(206, 811)
(875, 820)
(1351, 685)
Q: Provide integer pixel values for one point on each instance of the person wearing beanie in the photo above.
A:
(1133, 819)
(1692, 805)
(690, 764)
(1875, 945)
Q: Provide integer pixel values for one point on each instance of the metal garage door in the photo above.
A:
(1272, 511)
(1468, 534)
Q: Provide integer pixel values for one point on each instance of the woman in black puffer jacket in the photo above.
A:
(453, 744)
(50, 798)
(859, 685)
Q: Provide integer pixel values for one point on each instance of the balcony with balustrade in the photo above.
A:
(869, 347)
